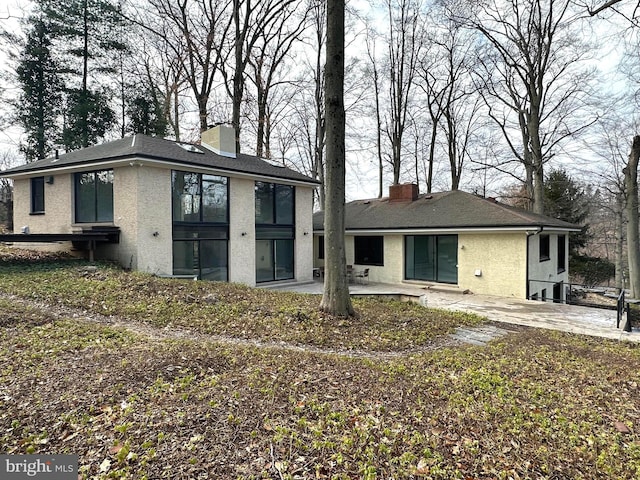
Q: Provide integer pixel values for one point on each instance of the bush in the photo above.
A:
(591, 271)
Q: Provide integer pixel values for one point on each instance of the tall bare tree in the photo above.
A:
(272, 47)
(249, 20)
(308, 119)
(633, 232)
(453, 101)
(534, 78)
(335, 299)
(405, 43)
(196, 32)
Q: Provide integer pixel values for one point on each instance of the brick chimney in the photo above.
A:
(220, 139)
(406, 192)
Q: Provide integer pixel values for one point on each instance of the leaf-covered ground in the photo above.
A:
(131, 404)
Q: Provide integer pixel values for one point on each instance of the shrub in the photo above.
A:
(591, 271)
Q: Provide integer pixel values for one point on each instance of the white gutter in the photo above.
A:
(529, 229)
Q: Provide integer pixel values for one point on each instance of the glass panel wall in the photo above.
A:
(200, 225)
(275, 220)
(432, 258)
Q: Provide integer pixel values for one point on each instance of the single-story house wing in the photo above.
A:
(172, 208)
(454, 239)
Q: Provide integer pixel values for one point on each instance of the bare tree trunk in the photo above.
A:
(619, 236)
(336, 299)
(633, 234)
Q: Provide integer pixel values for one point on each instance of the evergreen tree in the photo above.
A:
(88, 117)
(147, 115)
(566, 200)
(87, 34)
(40, 100)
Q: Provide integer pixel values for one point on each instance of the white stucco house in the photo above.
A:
(171, 208)
(454, 240)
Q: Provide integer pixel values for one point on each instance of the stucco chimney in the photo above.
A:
(406, 192)
(220, 139)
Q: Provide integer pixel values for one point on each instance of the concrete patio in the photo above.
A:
(554, 316)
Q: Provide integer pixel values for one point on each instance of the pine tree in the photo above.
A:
(564, 199)
(40, 101)
(87, 34)
(146, 115)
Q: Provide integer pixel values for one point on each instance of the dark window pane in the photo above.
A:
(94, 196)
(186, 196)
(185, 258)
(85, 203)
(213, 260)
(284, 259)
(447, 246)
(431, 258)
(264, 202)
(264, 261)
(369, 250)
(284, 205)
(200, 231)
(104, 196)
(544, 248)
(37, 195)
(214, 199)
(274, 260)
(562, 253)
(420, 258)
(273, 232)
(321, 247)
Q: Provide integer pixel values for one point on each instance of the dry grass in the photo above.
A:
(532, 405)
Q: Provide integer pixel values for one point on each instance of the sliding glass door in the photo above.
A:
(432, 258)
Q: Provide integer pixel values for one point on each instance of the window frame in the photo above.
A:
(37, 196)
(562, 253)
(437, 256)
(374, 247)
(273, 226)
(544, 248)
(199, 232)
(95, 196)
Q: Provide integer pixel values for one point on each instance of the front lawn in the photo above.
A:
(152, 402)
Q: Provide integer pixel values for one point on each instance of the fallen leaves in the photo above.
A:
(534, 405)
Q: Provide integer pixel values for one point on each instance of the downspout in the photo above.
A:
(529, 235)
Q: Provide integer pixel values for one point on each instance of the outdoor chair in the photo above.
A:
(362, 276)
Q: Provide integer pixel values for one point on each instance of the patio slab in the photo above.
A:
(554, 316)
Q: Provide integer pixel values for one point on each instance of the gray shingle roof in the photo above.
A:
(154, 148)
(445, 210)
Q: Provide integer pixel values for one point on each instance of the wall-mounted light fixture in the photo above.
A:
(306, 233)
(155, 234)
(50, 180)
(244, 234)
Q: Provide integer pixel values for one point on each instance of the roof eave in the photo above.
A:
(452, 230)
(132, 159)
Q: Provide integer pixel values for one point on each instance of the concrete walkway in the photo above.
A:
(554, 316)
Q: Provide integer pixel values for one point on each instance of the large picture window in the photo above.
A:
(37, 195)
(275, 220)
(94, 196)
(199, 198)
(432, 258)
(369, 250)
(200, 225)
